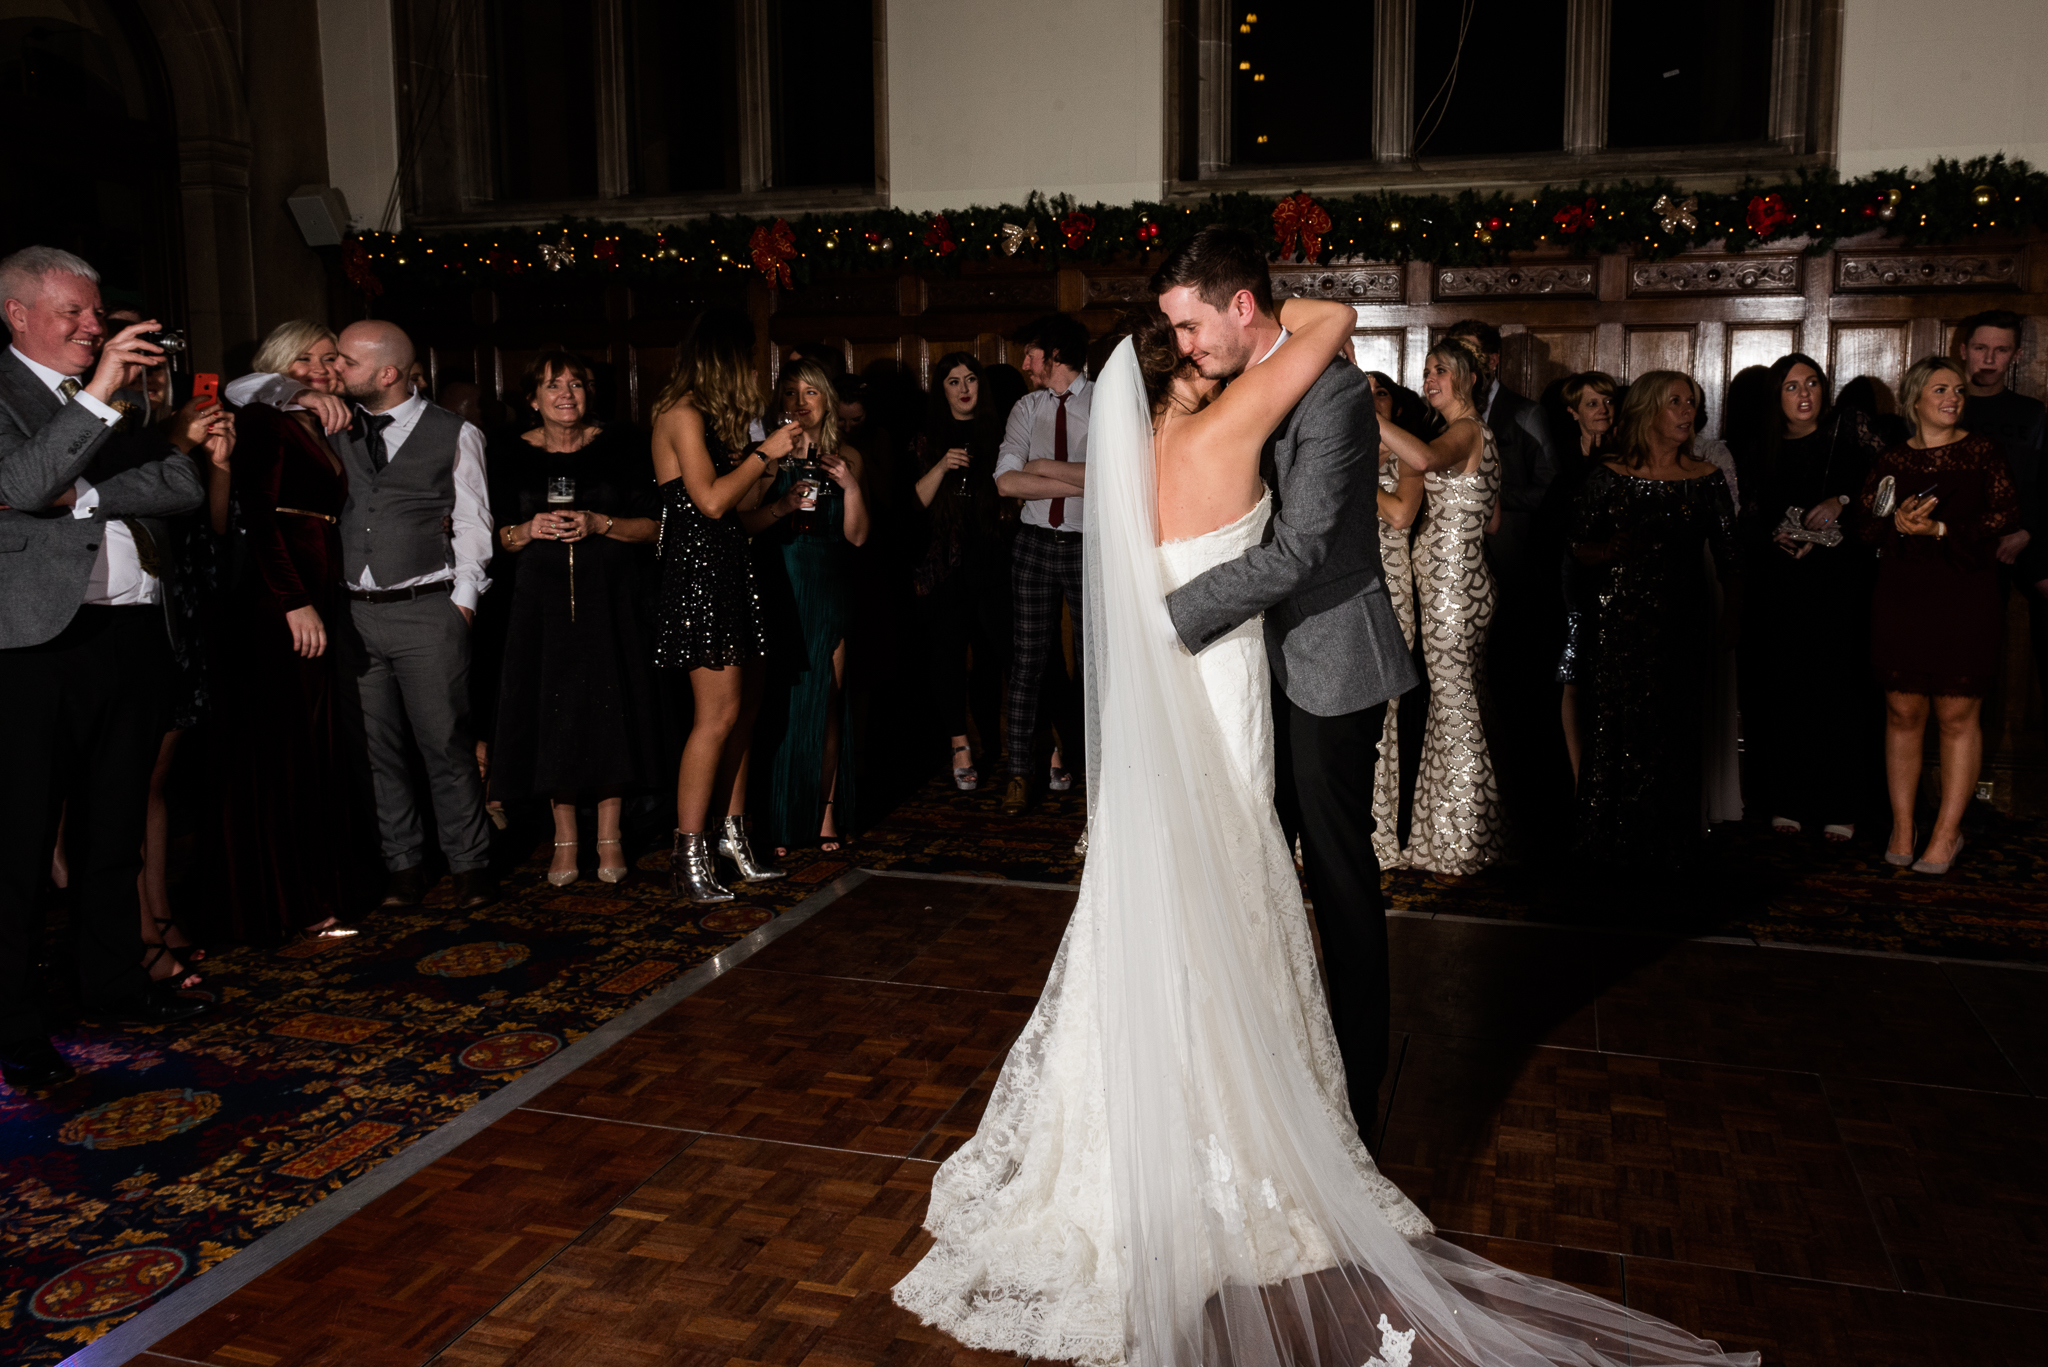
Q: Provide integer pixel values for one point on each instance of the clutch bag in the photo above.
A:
(1794, 528)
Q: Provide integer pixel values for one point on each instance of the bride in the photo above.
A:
(1168, 1173)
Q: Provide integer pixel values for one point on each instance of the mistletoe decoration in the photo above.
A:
(1655, 219)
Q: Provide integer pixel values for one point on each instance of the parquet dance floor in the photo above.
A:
(1834, 1158)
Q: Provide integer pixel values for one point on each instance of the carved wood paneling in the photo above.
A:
(1127, 290)
(846, 294)
(1471, 282)
(1717, 275)
(1381, 349)
(991, 293)
(1929, 272)
(1381, 284)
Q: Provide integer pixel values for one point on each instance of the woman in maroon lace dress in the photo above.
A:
(285, 849)
(1934, 627)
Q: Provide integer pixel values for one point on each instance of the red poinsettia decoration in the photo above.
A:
(1767, 214)
(357, 266)
(939, 236)
(1574, 218)
(772, 246)
(1299, 219)
(1074, 228)
(502, 261)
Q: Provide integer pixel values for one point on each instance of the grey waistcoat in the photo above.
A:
(395, 521)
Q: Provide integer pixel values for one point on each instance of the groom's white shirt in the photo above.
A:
(1278, 342)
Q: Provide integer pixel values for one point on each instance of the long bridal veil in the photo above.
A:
(1250, 1226)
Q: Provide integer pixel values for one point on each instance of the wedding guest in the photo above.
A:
(1641, 523)
(1399, 502)
(809, 529)
(287, 832)
(84, 649)
(708, 617)
(1456, 829)
(1589, 406)
(963, 576)
(576, 716)
(1043, 461)
(1522, 650)
(1935, 614)
(1986, 344)
(1805, 653)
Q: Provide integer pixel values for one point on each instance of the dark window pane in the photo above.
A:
(684, 96)
(545, 78)
(1300, 82)
(824, 90)
(1501, 89)
(1714, 85)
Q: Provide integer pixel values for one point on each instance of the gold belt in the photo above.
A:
(308, 512)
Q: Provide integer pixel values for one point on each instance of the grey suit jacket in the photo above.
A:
(1331, 635)
(46, 554)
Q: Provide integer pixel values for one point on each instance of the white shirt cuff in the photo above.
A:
(96, 408)
(465, 594)
(88, 500)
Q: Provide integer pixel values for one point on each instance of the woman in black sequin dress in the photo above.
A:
(707, 613)
(1640, 523)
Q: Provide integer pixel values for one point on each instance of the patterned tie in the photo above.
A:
(1057, 516)
(145, 544)
(373, 436)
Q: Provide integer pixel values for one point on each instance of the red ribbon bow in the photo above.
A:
(1767, 213)
(1575, 218)
(772, 246)
(939, 237)
(1075, 228)
(1298, 218)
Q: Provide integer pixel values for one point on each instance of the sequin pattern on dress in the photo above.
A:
(1456, 828)
(707, 610)
(1398, 568)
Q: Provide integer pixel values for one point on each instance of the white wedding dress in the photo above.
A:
(1168, 1173)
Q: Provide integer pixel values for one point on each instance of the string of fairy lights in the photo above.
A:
(1951, 204)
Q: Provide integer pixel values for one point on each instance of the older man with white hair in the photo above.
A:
(85, 660)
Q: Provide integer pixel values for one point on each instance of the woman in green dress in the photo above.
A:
(805, 533)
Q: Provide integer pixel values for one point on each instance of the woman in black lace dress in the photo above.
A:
(1809, 708)
(707, 613)
(1935, 616)
(575, 715)
(1640, 522)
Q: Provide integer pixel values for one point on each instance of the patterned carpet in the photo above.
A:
(177, 1147)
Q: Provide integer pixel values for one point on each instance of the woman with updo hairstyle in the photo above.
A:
(1935, 615)
(962, 578)
(707, 610)
(1645, 521)
(805, 530)
(576, 724)
(287, 851)
(1456, 826)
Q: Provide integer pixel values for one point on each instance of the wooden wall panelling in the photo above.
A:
(1536, 357)
(1657, 348)
(1878, 350)
(1382, 349)
(1710, 358)
(1755, 344)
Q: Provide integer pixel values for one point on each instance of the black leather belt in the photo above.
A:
(399, 595)
(1058, 538)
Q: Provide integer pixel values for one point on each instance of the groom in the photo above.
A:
(1332, 639)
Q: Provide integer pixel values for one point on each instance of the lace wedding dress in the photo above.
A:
(1168, 1173)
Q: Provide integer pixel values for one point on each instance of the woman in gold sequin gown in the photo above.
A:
(1456, 829)
(1400, 503)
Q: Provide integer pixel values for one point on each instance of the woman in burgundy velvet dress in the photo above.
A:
(287, 842)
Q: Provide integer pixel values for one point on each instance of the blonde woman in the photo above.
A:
(1456, 828)
(1935, 616)
(1641, 521)
(807, 534)
(707, 615)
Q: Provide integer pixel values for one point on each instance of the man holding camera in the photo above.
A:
(85, 660)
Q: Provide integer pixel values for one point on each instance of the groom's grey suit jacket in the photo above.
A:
(1331, 634)
(47, 555)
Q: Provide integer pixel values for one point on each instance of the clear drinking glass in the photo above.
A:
(561, 491)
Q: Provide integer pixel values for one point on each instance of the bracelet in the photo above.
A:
(1940, 530)
(609, 523)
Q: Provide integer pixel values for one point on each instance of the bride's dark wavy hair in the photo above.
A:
(1159, 358)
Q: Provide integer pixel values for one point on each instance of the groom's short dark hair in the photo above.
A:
(1216, 263)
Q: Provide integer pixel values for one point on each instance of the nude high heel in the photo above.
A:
(613, 873)
(565, 878)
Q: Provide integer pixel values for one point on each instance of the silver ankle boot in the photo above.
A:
(734, 845)
(691, 872)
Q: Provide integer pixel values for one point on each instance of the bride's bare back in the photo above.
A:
(1207, 440)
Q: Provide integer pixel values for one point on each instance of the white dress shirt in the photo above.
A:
(1028, 437)
(472, 490)
(118, 579)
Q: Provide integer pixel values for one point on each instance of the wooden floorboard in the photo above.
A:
(1831, 1159)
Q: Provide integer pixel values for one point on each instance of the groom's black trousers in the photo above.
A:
(1323, 789)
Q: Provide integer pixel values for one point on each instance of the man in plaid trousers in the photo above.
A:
(1043, 462)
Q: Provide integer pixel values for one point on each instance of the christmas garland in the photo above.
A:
(1654, 219)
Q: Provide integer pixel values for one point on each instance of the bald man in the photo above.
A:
(415, 543)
